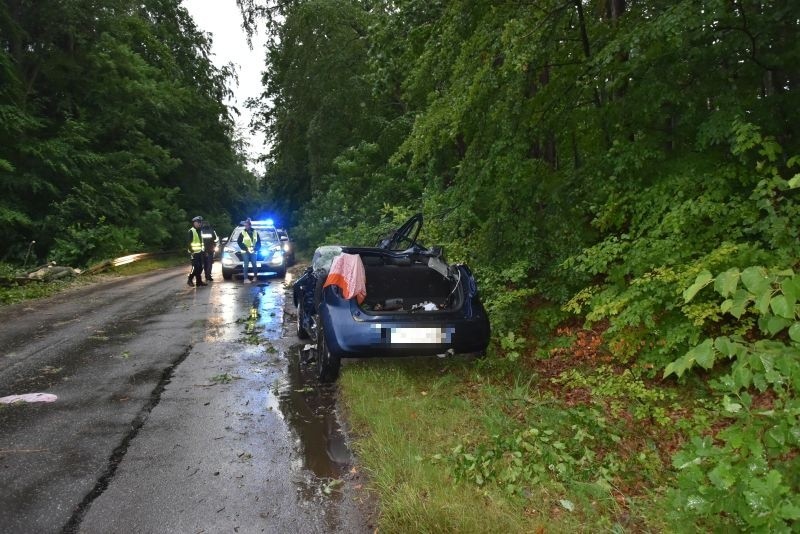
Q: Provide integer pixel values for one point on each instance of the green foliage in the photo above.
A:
(622, 392)
(511, 346)
(581, 153)
(83, 245)
(507, 294)
(8, 271)
(110, 111)
(18, 293)
(404, 412)
(772, 298)
(579, 449)
(743, 475)
(749, 471)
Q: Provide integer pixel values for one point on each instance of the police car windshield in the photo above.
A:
(266, 233)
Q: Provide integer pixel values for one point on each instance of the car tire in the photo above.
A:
(301, 332)
(327, 363)
(282, 272)
(227, 275)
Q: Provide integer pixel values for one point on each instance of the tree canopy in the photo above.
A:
(633, 164)
(617, 158)
(112, 129)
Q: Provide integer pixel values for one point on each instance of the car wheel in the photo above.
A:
(327, 363)
(227, 275)
(281, 273)
(301, 332)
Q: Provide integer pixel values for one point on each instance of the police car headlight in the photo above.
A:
(276, 255)
(228, 255)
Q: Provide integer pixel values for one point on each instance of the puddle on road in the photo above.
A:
(269, 309)
(307, 407)
(261, 308)
(310, 408)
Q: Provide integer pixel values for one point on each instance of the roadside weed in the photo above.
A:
(224, 378)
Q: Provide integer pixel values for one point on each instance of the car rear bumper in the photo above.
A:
(352, 332)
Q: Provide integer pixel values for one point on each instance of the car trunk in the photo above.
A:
(408, 287)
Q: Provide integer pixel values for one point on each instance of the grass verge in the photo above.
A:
(14, 292)
(152, 264)
(406, 415)
(545, 445)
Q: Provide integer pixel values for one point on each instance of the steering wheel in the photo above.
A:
(407, 233)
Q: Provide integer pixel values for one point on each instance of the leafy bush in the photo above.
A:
(8, 271)
(81, 245)
(507, 294)
(749, 472)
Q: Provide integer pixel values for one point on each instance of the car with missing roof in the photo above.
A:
(270, 257)
(411, 302)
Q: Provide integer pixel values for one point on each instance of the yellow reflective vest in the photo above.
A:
(197, 244)
(248, 241)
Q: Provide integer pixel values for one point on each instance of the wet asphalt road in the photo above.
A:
(178, 410)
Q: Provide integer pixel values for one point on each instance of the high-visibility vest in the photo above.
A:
(247, 241)
(197, 243)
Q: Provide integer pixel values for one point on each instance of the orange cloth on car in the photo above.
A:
(347, 272)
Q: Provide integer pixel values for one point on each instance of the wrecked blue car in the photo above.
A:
(398, 298)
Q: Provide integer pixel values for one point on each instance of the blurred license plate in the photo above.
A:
(415, 335)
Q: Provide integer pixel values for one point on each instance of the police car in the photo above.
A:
(270, 257)
(288, 247)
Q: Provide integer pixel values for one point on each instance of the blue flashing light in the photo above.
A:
(262, 221)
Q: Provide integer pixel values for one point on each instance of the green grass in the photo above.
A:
(452, 447)
(152, 264)
(405, 415)
(34, 290)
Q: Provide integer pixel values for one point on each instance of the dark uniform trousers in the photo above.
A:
(197, 267)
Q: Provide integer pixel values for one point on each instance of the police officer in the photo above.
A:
(196, 252)
(210, 242)
(249, 242)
